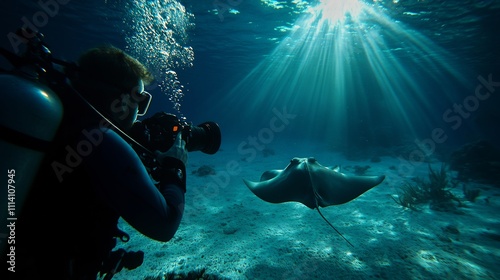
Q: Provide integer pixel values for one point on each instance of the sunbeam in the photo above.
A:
(338, 11)
(353, 75)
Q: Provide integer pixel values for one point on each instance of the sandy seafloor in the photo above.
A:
(234, 234)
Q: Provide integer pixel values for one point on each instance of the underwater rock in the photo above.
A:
(204, 170)
(268, 152)
(492, 236)
(361, 170)
(192, 275)
(405, 151)
(451, 229)
(478, 161)
(229, 231)
(375, 159)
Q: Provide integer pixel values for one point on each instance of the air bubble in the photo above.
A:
(157, 36)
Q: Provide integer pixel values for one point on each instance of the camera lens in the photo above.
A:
(159, 132)
(205, 137)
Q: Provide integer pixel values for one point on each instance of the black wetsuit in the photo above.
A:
(67, 228)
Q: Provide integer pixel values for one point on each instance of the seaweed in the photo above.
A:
(471, 195)
(409, 196)
(436, 190)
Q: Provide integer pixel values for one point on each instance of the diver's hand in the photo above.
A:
(173, 164)
(178, 151)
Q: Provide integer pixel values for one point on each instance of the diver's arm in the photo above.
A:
(123, 182)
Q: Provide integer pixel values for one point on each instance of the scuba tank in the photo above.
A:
(33, 125)
(34, 93)
(29, 120)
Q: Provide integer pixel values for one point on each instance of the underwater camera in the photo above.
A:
(159, 132)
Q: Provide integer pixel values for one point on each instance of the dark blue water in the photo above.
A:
(466, 31)
(399, 74)
(421, 60)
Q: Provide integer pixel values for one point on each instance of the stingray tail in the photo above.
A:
(333, 227)
(316, 196)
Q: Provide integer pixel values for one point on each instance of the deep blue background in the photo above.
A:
(227, 48)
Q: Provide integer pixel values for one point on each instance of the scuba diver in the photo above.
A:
(91, 173)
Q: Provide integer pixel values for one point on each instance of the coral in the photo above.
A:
(436, 191)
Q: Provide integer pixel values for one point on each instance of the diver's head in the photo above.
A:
(127, 106)
(113, 82)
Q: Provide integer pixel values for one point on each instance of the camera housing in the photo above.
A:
(159, 132)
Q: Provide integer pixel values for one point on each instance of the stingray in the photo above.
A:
(306, 181)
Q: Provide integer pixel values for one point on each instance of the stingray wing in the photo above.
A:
(284, 186)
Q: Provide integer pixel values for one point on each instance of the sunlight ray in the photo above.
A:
(348, 65)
